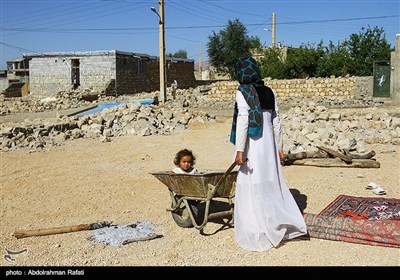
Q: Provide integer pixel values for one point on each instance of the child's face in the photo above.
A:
(185, 163)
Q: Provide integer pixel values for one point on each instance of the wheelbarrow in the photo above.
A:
(190, 191)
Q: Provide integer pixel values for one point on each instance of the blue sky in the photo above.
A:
(36, 26)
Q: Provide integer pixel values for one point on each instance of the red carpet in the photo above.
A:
(364, 220)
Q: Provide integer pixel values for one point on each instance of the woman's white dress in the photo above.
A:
(265, 211)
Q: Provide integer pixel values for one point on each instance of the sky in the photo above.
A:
(42, 26)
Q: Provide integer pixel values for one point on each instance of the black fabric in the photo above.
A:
(266, 97)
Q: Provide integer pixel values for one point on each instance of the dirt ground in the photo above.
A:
(87, 181)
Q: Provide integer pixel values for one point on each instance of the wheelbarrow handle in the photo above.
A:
(226, 173)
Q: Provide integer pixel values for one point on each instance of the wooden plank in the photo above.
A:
(335, 162)
(336, 154)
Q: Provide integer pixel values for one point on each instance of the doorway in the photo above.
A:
(75, 73)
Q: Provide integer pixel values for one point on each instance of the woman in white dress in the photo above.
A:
(265, 211)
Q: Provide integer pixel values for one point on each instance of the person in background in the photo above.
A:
(174, 87)
(184, 161)
(265, 211)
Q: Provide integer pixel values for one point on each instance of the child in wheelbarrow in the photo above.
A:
(184, 161)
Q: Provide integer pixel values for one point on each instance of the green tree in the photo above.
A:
(303, 61)
(354, 57)
(335, 61)
(178, 54)
(272, 64)
(364, 48)
(228, 45)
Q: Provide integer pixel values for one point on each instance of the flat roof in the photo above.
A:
(104, 52)
(87, 53)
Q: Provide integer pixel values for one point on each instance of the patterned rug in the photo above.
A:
(372, 208)
(363, 220)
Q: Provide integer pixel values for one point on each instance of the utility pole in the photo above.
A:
(200, 68)
(163, 73)
(273, 30)
(161, 35)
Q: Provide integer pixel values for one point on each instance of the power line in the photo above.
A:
(16, 47)
(180, 27)
(333, 20)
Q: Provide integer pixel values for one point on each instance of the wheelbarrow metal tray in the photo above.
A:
(196, 185)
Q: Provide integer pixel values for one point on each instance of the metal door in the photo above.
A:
(381, 79)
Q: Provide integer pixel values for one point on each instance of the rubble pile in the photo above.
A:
(306, 124)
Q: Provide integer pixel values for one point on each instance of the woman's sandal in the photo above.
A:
(376, 189)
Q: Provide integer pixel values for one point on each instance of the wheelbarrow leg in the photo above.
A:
(211, 192)
(205, 220)
(231, 200)
(183, 217)
(210, 195)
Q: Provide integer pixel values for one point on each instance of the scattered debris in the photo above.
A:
(125, 234)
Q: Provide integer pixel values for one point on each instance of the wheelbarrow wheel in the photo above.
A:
(182, 217)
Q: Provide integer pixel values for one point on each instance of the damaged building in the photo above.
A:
(103, 72)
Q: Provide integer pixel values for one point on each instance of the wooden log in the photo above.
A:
(317, 154)
(289, 158)
(335, 162)
(336, 154)
(368, 155)
(58, 230)
(299, 155)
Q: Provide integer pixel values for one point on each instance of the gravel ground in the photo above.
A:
(87, 181)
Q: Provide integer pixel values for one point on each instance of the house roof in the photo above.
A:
(16, 60)
(106, 52)
(176, 59)
(87, 53)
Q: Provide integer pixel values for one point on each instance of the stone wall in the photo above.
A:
(105, 73)
(51, 75)
(350, 88)
(48, 75)
(96, 72)
(395, 71)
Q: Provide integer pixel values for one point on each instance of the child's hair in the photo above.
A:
(181, 154)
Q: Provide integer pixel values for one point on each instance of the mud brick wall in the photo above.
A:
(131, 75)
(182, 72)
(153, 74)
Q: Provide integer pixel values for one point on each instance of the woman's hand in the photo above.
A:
(281, 157)
(239, 158)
